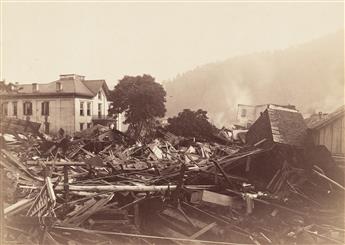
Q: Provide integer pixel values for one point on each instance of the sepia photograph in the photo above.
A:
(176, 122)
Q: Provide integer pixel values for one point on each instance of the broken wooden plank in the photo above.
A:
(211, 197)
(18, 206)
(329, 180)
(203, 230)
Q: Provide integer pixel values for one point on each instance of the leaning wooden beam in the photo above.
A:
(223, 172)
(329, 180)
(121, 188)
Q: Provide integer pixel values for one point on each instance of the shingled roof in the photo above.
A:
(279, 125)
(73, 85)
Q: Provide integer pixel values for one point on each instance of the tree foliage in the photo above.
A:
(190, 123)
(140, 97)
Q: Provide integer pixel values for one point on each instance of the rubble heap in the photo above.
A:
(101, 187)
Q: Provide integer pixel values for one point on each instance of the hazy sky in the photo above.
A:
(109, 40)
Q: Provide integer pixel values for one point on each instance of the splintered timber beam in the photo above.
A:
(123, 188)
(329, 180)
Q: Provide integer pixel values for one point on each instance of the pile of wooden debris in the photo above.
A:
(100, 187)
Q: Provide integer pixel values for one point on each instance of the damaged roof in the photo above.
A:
(279, 125)
(287, 127)
(327, 119)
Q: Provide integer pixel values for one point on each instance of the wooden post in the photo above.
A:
(137, 215)
(65, 185)
(248, 163)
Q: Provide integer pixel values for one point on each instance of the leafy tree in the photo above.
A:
(190, 123)
(141, 98)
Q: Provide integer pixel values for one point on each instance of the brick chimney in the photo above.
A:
(71, 77)
(35, 88)
(58, 86)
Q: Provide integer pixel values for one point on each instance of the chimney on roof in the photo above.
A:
(320, 115)
(58, 86)
(35, 88)
(12, 87)
(71, 77)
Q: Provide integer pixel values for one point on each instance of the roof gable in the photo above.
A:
(95, 85)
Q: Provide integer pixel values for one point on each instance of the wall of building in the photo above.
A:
(247, 114)
(61, 113)
(332, 136)
(85, 119)
(103, 101)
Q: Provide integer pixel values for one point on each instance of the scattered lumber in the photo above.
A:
(102, 188)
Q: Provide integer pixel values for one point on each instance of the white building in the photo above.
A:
(247, 114)
(71, 103)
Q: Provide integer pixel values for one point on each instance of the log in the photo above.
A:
(124, 188)
(56, 164)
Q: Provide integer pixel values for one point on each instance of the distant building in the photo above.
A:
(329, 130)
(248, 114)
(71, 103)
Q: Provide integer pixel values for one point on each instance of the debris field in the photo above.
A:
(102, 187)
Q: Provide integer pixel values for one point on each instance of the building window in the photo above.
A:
(99, 95)
(88, 125)
(45, 108)
(81, 126)
(5, 108)
(15, 109)
(99, 110)
(88, 108)
(81, 108)
(27, 108)
(243, 113)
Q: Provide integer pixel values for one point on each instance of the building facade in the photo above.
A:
(71, 103)
(329, 131)
(248, 114)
